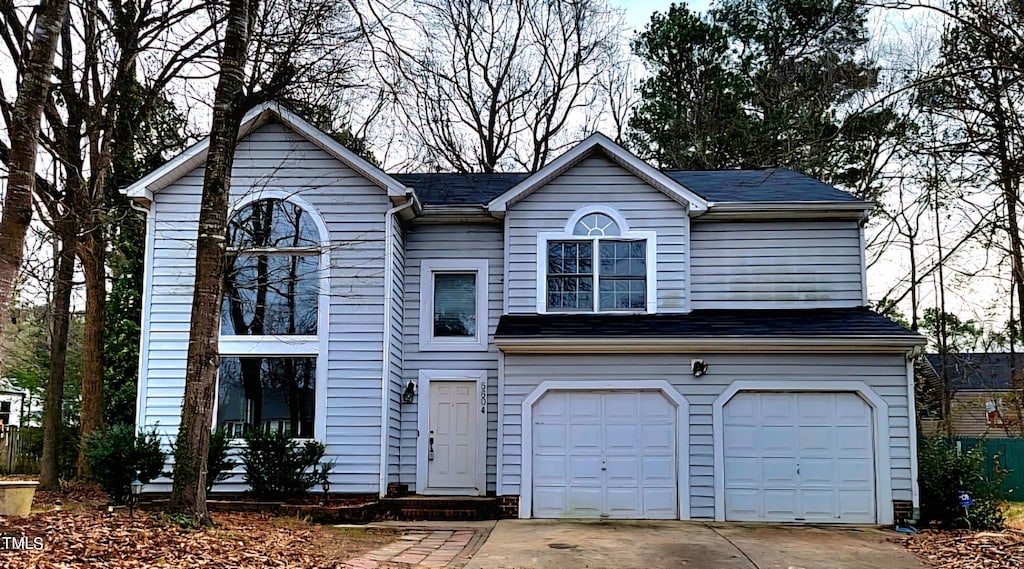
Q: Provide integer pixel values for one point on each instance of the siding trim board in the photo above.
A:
(882, 441)
(666, 389)
(147, 301)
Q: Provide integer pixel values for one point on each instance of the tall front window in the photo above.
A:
(269, 320)
(596, 253)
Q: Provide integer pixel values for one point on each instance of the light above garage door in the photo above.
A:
(607, 454)
(805, 457)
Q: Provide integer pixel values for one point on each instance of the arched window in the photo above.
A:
(597, 265)
(271, 300)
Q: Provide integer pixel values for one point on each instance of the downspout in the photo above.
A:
(385, 378)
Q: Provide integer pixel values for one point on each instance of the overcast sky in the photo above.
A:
(638, 12)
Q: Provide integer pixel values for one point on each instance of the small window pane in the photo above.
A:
(272, 394)
(596, 225)
(623, 258)
(270, 294)
(620, 294)
(570, 293)
(455, 305)
(570, 258)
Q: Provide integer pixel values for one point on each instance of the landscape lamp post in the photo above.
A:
(136, 492)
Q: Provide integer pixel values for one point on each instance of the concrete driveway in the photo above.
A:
(529, 544)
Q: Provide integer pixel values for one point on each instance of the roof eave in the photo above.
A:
(716, 344)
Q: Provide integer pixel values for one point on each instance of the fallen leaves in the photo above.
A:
(77, 539)
(969, 550)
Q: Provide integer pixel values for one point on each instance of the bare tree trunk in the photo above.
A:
(189, 491)
(24, 133)
(91, 252)
(64, 272)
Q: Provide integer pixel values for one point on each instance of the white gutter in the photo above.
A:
(385, 364)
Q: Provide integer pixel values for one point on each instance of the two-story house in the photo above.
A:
(596, 339)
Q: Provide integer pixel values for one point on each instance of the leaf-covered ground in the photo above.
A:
(95, 539)
(961, 549)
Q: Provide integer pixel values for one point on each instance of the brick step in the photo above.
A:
(441, 508)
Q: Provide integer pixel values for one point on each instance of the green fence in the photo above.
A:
(1009, 455)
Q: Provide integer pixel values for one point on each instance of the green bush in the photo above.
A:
(116, 456)
(279, 468)
(943, 472)
(218, 460)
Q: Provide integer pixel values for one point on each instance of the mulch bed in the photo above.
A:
(962, 549)
(95, 538)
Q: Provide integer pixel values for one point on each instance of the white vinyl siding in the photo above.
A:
(455, 242)
(884, 373)
(776, 264)
(353, 209)
(596, 180)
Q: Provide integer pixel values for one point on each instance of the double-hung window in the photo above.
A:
(597, 266)
(270, 315)
(453, 305)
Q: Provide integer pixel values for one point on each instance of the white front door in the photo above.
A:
(452, 444)
(805, 457)
(604, 454)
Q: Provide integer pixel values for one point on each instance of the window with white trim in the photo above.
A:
(270, 320)
(453, 305)
(597, 265)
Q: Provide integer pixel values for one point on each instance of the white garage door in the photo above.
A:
(799, 457)
(609, 454)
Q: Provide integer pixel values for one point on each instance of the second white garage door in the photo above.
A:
(804, 457)
(609, 454)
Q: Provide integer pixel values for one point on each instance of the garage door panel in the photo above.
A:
(817, 467)
(815, 410)
(779, 472)
(855, 473)
(620, 458)
(742, 440)
(747, 504)
(778, 503)
(778, 411)
(584, 407)
(742, 472)
(659, 471)
(818, 472)
(621, 439)
(549, 470)
(550, 439)
(584, 437)
(818, 504)
(778, 441)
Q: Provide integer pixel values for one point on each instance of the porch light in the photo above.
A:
(136, 489)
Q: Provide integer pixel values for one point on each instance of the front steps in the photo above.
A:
(441, 508)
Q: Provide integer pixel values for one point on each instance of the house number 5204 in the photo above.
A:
(483, 398)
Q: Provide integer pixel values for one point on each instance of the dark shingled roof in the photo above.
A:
(850, 322)
(769, 185)
(978, 371)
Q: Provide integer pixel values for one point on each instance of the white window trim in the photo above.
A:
(625, 233)
(430, 267)
(290, 346)
(423, 430)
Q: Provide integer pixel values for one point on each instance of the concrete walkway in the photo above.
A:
(529, 544)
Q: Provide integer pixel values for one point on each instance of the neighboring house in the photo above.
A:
(983, 398)
(597, 339)
(16, 404)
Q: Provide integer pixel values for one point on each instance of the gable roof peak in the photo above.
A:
(624, 158)
(195, 155)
